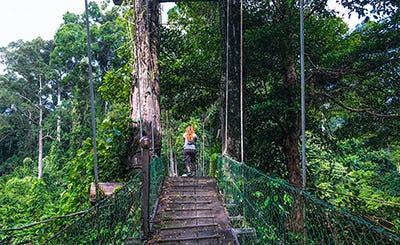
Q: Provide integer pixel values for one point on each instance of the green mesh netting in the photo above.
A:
(158, 171)
(267, 211)
(114, 220)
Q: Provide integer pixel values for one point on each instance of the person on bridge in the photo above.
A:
(189, 151)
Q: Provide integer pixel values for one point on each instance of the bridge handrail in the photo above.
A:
(282, 214)
(117, 218)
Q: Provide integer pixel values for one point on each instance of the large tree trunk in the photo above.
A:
(230, 80)
(292, 126)
(145, 90)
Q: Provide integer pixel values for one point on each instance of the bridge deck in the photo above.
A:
(191, 212)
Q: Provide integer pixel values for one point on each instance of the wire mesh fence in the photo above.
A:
(158, 171)
(117, 216)
(114, 220)
(36, 233)
(267, 211)
(263, 211)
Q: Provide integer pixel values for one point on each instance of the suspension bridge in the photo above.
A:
(229, 203)
(233, 204)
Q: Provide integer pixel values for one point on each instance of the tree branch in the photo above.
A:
(313, 10)
(339, 73)
(277, 6)
(358, 110)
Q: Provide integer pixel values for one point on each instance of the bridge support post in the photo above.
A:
(145, 145)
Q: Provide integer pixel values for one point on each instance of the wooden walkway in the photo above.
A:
(190, 211)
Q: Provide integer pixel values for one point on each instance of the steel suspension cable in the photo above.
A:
(303, 117)
(89, 53)
(241, 84)
(225, 146)
(137, 77)
(149, 72)
(135, 74)
(139, 81)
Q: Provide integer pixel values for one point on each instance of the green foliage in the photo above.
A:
(213, 165)
(116, 85)
(352, 101)
(114, 141)
(113, 144)
(68, 156)
(356, 177)
(206, 144)
(379, 7)
(25, 200)
(27, 66)
(277, 211)
(190, 66)
(190, 60)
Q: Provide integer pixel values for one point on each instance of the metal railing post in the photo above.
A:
(145, 145)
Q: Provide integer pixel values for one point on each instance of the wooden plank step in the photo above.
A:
(191, 202)
(190, 183)
(191, 213)
(189, 206)
(186, 224)
(192, 217)
(188, 209)
(182, 190)
(197, 226)
(188, 233)
(189, 238)
(191, 196)
(197, 199)
(196, 186)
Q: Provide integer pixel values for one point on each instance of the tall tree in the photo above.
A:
(272, 47)
(190, 60)
(70, 61)
(28, 66)
(190, 68)
(145, 88)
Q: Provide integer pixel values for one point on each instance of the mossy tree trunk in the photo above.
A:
(145, 89)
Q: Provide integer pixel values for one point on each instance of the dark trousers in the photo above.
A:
(190, 159)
